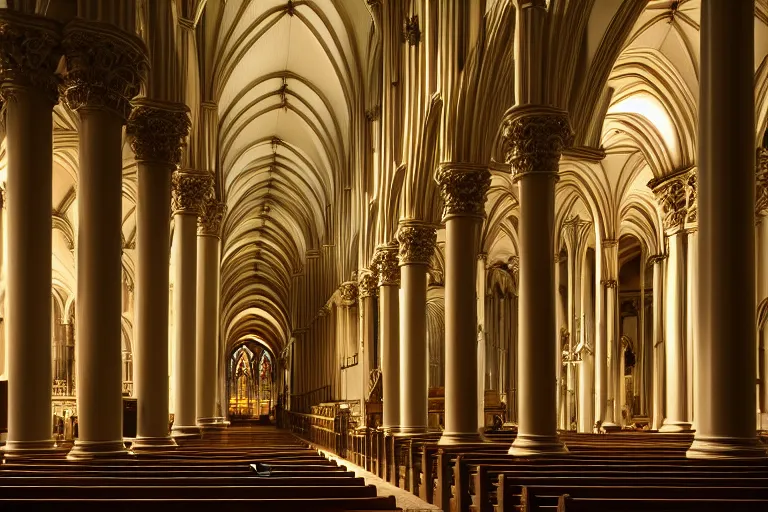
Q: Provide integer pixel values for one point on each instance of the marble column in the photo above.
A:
(761, 213)
(157, 130)
(30, 53)
(367, 286)
(416, 247)
(486, 368)
(190, 189)
(388, 271)
(586, 416)
(658, 341)
(463, 188)
(105, 68)
(613, 350)
(691, 306)
(725, 351)
(533, 139)
(207, 312)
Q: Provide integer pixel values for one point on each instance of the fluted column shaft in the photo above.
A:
(417, 244)
(207, 312)
(30, 51)
(190, 190)
(533, 140)
(389, 333)
(725, 392)
(658, 341)
(464, 188)
(105, 68)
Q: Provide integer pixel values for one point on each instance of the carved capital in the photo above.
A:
(411, 31)
(387, 267)
(677, 197)
(417, 243)
(761, 184)
(533, 138)
(211, 214)
(368, 285)
(610, 283)
(349, 293)
(30, 51)
(190, 189)
(157, 130)
(105, 66)
(609, 242)
(464, 188)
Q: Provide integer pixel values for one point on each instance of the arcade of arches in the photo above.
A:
(399, 206)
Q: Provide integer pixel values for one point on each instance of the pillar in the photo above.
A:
(586, 416)
(659, 393)
(691, 300)
(367, 287)
(416, 246)
(761, 213)
(105, 67)
(725, 351)
(388, 271)
(533, 139)
(486, 367)
(207, 312)
(463, 188)
(190, 189)
(30, 54)
(612, 353)
(157, 130)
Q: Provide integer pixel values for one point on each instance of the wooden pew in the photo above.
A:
(569, 504)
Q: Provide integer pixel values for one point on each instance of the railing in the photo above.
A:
(303, 402)
(326, 430)
(348, 362)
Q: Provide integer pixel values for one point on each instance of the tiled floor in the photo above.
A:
(405, 500)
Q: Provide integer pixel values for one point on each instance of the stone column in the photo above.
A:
(30, 51)
(613, 350)
(105, 67)
(190, 189)
(486, 368)
(725, 351)
(367, 287)
(157, 130)
(761, 212)
(417, 244)
(207, 312)
(658, 341)
(464, 188)
(533, 139)
(586, 416)
(389, 334)
(691, 306)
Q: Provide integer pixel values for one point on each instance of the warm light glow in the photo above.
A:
(650, 108)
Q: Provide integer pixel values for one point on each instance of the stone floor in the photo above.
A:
(405, 500)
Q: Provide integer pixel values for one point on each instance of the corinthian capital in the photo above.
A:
(368, 284)
(533, 138)
(157, 130)
(211, 214)
(464, 188)
(105, 66)
(29, 54)
(761, 185)
(417, 243)
(349, 293)
(387, 266)
(677, 197)
(190, 189)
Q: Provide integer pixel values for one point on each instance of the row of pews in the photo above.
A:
(255, 468)
(630, 470)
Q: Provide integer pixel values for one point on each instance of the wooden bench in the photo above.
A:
(569, 504)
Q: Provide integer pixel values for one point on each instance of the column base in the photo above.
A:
(26, 449)
(182, 431)
(213, 423)
(526, 445)
(412, 430)
(676, 426)
(457, 438)
(704, 447)
(88, 450)
(153, 443)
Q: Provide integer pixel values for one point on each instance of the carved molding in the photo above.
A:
(373, 114)
(610, 283)
(533, 139)
(349, 293)
(655, 258)
(387, 267)
(417, 243)
(190, 189)
(105, 66)
(761, 184)
(30, 50)
(463, 188)
(368, 285)
(677, 199)
(411, 31)
(211, 214)
(157, 130)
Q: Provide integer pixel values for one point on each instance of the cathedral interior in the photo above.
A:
(484, 255)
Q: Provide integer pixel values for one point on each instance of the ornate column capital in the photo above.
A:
(609, 242)
(677, 197)
(30, 50)
(368, 284)
(211, 214)
(349, 293)
(656, 258)
(609, 283)
(533, 138)
(387, 268)
(417, 243)
(157, 130)
(190, 189)
(105, 68)
(761, 184)
(464, 188)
